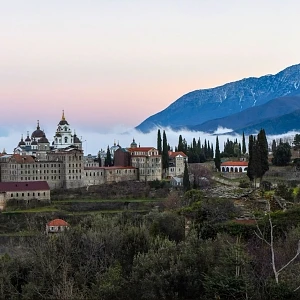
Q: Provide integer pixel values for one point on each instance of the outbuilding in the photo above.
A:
(56, 226)
(234, 166)
(24, 191)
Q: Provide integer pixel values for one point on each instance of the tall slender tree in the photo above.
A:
(180, 144)
(208, 151)
(186, 178)
(244, 144)
(217, 156)
(165, 156)
(159, 142)
(258, 163)
(108, 159)
(274, 146)
(262, 145)
(250, 169)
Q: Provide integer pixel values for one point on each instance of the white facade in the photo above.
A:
(234, 167)
(63, 137)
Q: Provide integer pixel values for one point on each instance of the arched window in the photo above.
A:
(66, 128)
(227, 169)
(66, 139)
(240, 169)
(231, 169)
(223, 169)
(235, 169)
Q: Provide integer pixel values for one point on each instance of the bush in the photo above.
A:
(244, 183)
(32, 203)
(284, 192)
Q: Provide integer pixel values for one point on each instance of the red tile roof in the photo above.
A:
(143, 155)
(234, 164)
(57, 222)
(174, 154)
(14, 186)
(22, 159)
(141, 149)
(108, 168)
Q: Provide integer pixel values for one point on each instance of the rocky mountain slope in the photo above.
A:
(253, 116)
(200, 106)
(275, 126)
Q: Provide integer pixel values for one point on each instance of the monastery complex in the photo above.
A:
(62, 164)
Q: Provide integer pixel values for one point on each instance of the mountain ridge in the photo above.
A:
(275, 126)
(199, 106)
(253, 115)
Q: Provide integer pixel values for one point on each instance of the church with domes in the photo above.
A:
(60, 161)
(64, 137)
(38, 145)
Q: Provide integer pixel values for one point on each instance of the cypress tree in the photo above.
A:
(165, 156)
(180, 144)
(217, 156)
(208, 150)
(205, 149)
(159, 142)
(184, 146)
(258, 156)
(274, 146)
(262, 149)
(244, 145)
(250, 169)
(186, 178)
(108, 160)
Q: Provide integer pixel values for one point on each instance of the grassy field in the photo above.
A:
(31, 210)
(108, 200)
(91, 206)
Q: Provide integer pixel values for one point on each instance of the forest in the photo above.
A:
(159, 255)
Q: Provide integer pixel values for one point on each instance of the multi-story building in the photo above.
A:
(122, 157)
(62, 163)
(176, 163)
(101, 175)
(148, 161)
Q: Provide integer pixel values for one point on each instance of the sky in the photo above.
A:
(111, 64)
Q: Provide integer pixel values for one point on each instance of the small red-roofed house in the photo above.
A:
(56, 226)
(234, 166)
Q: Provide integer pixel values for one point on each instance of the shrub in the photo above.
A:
(244, 183)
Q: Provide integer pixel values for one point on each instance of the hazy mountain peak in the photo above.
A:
(202, 105)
